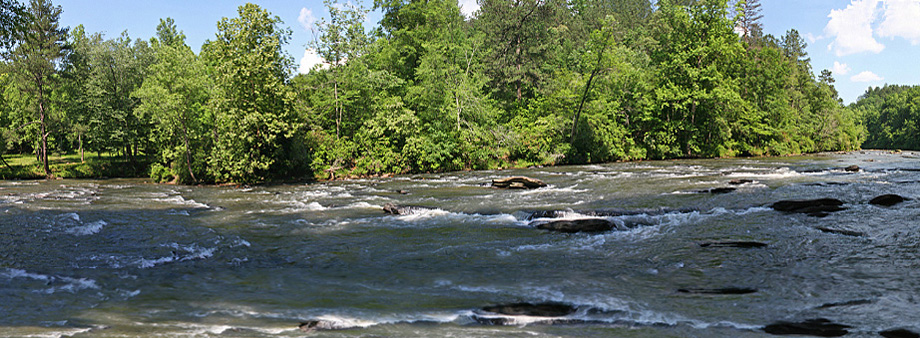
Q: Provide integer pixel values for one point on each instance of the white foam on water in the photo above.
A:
(179, 200)
(779, 173)
(70, 284)
(361, 205)
(192, 252)
(87, 229)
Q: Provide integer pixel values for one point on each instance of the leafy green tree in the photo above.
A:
(12, 21)
(174, 96)
(342, 39)
(255, 125)
(696, 95)
(34, 61)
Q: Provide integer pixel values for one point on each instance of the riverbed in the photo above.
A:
(123, 257)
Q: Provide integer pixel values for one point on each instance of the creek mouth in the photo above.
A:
(122, 258)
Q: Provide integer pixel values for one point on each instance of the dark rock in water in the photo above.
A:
(402, 192)
(814, 327)
(841, 232)
(853, 168)
(518, 182)
(899, 333)
(508, 314)
(322, 325)
(817, 207)
(533, 310)
(577, 225)
(606, 213)
(720, 291)
(847, 303)
(394, 209)
(887, 200)
(740, 181)
(716, 191)
(734, 244)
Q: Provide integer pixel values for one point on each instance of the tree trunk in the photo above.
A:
(44, 134)
(82, 158)
(188, 154)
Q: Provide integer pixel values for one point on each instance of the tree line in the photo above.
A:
(522, 82)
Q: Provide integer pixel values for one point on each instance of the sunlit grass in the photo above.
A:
(26, 166)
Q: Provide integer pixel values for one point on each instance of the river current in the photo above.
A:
(124, 258)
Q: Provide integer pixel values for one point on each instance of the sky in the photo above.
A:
(865, 43)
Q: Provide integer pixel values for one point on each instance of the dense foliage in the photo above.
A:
(522, 82)
(891, 115)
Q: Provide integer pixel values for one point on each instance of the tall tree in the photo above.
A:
(174, 96)
(12, 22)
(42, 46)
(749, 17)
(254, 120)
(342, 39)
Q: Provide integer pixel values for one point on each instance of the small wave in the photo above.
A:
(177, 199)
(192, 252)
(57, 283)
(88, 229)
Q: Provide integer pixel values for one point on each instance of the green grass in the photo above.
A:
(69, 166)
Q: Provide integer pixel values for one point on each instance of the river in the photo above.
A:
(123, 258)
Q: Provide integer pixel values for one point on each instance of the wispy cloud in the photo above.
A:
(306, 19)
(840, 68)
(866, 76)
(851, 28)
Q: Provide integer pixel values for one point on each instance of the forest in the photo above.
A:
(521, 83)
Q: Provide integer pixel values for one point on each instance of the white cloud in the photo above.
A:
(306, 19)
(902, 19)
(468, 7)
(851, 28)
(811, 38)
(866, 76)
(840, 68)
(310, 59)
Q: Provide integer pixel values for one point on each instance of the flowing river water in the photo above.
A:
(124, 258)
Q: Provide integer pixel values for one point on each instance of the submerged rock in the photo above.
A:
(816, 207)
(740, 181)
(846, 303)
(734, 244)
(518, 182)
(401, 210)
(549, 309)
(887, 200)
(899, 333)
(719, 291)
(314, 325)
(576, 225)
(716, 191)
(841, 232)
(815, 327)
(526, 313)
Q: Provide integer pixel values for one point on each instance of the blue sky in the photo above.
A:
(864, 42)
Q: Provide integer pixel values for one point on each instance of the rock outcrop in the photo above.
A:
(819, 327)
(401, 210)
(899, 333)
(734, 244)
(576, 225)
(817, 207)
(719, 291)
(887, 200)
(519, 313)
(518, 182)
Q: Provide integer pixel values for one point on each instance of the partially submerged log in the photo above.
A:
(518, 182)
(576, 225)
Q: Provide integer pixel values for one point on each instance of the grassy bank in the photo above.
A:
(25, 166)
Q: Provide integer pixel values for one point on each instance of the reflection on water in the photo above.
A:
(128, 258)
